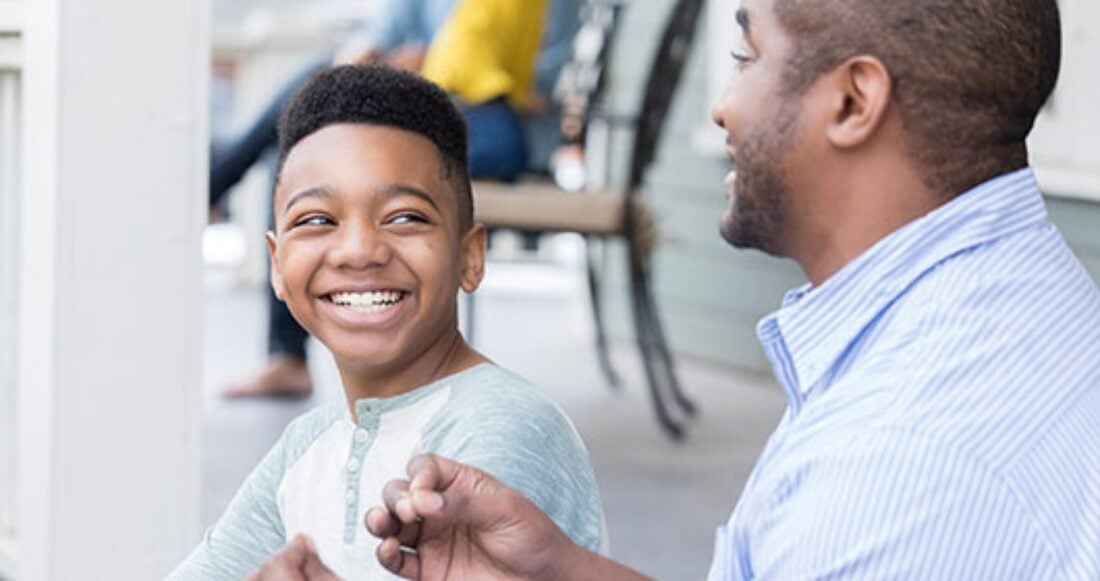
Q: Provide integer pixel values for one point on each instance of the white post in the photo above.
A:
(10, 124)
(114, 158)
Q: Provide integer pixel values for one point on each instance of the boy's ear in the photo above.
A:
(861, 91)
(276, 274)
(473, 257)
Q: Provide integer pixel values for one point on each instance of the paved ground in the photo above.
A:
(662, 499)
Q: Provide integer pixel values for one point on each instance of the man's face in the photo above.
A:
(367, 250)
(761, 124)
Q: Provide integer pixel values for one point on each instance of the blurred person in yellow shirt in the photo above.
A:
(485, 56)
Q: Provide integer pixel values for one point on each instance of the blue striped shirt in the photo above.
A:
(944, 409)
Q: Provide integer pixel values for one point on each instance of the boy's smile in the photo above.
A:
(367, 250)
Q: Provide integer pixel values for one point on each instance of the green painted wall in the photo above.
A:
(710, 296)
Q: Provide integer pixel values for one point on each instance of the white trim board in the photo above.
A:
(11, 17)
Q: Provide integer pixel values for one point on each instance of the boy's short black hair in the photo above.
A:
(381, 95)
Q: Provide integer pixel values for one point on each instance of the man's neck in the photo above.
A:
(859, 210)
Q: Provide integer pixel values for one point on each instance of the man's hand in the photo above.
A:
(464, 524)
(298, 561)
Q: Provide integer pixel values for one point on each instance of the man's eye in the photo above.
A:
(741, 59)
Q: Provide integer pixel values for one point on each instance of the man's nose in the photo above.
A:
(723, 105)
(361, 245)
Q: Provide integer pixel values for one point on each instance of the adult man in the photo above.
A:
(942, 366)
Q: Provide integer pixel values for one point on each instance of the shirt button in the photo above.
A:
(353, 465)
(368, 408)
(361, 435)
(351, 497)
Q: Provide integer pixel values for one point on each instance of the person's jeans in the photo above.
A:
(228, 165)
(230, 162)
(497, 145)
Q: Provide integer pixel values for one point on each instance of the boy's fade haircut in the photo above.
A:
(382, 96)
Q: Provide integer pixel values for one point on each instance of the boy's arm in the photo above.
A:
(523, 439)
(248, 532)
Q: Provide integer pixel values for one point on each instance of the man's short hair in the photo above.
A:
(383, 96)
(969, 76)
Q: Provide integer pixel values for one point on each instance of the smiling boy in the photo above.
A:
(374, 235)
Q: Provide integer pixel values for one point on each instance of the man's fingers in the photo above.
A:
(382, 524)
(396, 497)
(398, 561)
(429, 478)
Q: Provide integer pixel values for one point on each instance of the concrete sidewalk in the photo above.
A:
(662, 500)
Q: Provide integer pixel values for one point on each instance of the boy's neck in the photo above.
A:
(450, 355)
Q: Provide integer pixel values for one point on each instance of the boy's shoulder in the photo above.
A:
(305, 429)
(489, 394)
(490, 403)
(498, 421)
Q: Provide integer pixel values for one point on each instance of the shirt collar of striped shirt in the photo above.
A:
(817, 325)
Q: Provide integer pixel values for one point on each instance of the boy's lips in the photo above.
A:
(366, 307)
(368, 301)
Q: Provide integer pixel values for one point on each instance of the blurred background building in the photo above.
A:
(120, 320)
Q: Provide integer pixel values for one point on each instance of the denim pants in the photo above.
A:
(498, 148)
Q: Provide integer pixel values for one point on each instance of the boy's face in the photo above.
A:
(367, 250)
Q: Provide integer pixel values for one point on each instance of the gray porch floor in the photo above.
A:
(662, 499)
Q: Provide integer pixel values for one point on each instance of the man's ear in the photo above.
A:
(473, 257)
(862, 92)
(277, 283)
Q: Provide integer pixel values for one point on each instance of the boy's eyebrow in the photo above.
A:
(310, 192)
(404, 190)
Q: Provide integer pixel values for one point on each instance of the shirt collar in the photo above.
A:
(377, 406)
(818, 324)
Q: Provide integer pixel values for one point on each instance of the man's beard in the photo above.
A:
(759, 209)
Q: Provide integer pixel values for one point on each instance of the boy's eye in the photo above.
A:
(313, 220)
(407, 218)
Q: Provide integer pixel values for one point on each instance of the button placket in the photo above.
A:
(362, 438)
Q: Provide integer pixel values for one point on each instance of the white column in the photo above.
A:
(10, 123)
(9, 135)
(110, 287)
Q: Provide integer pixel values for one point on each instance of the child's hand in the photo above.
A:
(298, 561)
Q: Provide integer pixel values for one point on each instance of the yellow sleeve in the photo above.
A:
(487, 49)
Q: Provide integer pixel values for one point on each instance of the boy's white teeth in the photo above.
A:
(368, 302)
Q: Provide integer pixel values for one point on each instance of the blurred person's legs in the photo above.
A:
(285, 373)
(230, 162)
(498, 147)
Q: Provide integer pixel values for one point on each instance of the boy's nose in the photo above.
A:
(361, 246)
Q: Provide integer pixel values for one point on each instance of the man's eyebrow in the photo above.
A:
(404, 190)
(742, 17)
(311, 192)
